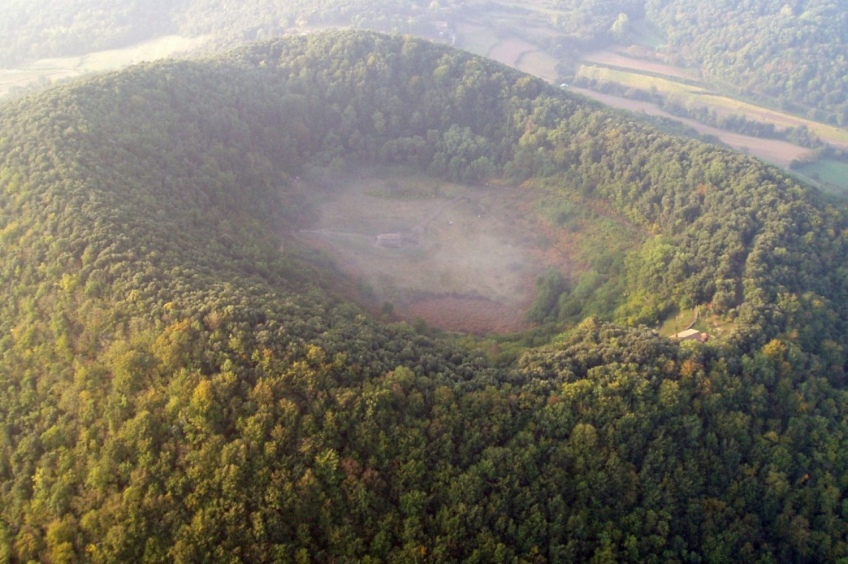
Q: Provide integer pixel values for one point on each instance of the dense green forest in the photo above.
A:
(789, 54)
(178, 388)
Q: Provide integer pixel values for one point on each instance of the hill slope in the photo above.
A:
(176, 388)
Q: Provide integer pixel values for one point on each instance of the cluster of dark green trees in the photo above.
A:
(176, 388)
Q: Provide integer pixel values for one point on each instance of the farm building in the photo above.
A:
(691, 335)
(390, 240)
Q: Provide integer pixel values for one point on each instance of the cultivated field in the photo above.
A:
(476, 38)
(614, 58)
(775, 151)
(468, 260)
(641, 66)
(831, 176)
(539, 63)
(509, 51)
(663, 79)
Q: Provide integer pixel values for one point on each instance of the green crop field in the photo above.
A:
(830, 175)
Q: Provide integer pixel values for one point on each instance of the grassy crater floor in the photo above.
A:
(466, 258)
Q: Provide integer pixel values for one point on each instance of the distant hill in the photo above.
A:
(789, 53)
(178, 387)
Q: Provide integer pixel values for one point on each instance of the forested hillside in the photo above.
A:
(179, 388)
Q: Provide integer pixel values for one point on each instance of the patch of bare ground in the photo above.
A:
(775, 151)
(462, 258)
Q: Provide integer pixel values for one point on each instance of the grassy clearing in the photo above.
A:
(716, 326)
(677, 322)
(831, 176)
(410, 188)
(642, 34)
(713, 325)
(467, 257)
(477, 39)
(539, 64)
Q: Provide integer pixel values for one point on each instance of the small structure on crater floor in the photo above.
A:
(691, 335)
(390, 240)
(395, 240)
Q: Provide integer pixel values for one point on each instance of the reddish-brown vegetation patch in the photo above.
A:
(467, 314)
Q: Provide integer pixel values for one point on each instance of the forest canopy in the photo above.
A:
(178, 388)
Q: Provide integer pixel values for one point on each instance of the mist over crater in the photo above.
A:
(459, 257)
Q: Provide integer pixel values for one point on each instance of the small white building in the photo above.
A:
(691, 335)
(390, 240)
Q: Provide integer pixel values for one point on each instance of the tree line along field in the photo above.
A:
(648, 81)
(645, 74)
(775, 151)
(670, 82)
